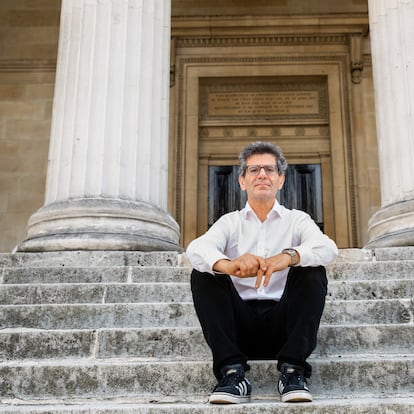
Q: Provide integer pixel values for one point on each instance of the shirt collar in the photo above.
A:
(277, 209)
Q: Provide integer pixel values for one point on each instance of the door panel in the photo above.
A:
(224, 192)
(303, 190)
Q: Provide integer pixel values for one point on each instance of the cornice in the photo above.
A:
(269, 25)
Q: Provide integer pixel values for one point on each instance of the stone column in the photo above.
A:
(392, 40)
(107, 174)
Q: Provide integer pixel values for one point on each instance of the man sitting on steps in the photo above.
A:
(259, 284)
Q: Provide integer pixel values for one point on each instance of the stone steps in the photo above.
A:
(100, 332)
(170, 292)
(376, 405)
(344, 271)
(359, 375)
(140, 315)
(184, 342)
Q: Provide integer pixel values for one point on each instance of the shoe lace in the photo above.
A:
(295, 378)
(231, 379)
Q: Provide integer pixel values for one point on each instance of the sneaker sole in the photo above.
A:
(296, 396)
(224, 398)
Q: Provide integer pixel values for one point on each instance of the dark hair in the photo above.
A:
(259, 147)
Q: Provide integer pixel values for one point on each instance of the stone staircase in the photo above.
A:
(115, 332)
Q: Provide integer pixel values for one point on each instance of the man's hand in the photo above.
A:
(273, 264)
(247, 265)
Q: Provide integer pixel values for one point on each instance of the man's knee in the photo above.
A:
(310, 277)
(205, 283)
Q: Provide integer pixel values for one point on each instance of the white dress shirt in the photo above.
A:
(240, 232)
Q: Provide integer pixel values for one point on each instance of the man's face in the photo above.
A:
(262, 187)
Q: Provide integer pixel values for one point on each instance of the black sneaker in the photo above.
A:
(292, 385)
(233, 388)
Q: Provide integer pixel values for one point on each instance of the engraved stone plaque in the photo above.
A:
(264, 98)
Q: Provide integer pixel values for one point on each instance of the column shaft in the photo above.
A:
(392, 40)
(107, 173)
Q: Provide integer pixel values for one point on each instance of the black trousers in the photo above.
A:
(237, 330)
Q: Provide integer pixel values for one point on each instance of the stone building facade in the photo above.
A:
(121, 121)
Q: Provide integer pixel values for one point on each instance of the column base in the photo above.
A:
(392, 226)
(101, 224)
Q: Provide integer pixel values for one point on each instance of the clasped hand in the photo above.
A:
(249, 265)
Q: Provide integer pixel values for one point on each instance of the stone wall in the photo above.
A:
(29, 32)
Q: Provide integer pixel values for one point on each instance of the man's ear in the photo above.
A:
(242, 182)
(281, 181)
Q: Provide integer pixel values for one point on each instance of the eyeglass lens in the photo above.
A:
(255, 169)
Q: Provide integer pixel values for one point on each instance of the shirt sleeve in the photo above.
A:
(314, 247)
(207, 249)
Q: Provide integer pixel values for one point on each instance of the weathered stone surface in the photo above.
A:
(145, 292)
(89, 259)
(92, 316)
(40, 344)
(358, 375)
(16, 294)
(394, 253)
(95, 316)
(373, 270)
(371, 289)
(193, 405)
(106, 327)
(186, 342)
(112, 274)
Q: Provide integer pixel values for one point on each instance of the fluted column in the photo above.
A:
(107, 173)
(392, 41)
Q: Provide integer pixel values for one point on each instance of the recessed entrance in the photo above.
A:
(225, 103)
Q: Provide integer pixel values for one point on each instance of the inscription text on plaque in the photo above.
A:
(263, 103)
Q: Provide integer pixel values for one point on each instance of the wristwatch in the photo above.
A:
(293, 254)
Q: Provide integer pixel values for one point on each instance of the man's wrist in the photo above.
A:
(294, 256)
(219, 267)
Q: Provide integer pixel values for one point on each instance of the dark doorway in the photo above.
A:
(302, 190)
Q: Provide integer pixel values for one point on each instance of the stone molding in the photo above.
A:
(256, 41)
(272, 25)
(27, 65)
(392, 225)
(100, 224)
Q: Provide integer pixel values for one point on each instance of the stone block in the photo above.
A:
(370, 289)
(394, 253)
(370, 271)
(48, 345)
(93, 316)
(38, 275)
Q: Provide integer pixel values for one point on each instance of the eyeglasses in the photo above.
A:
(255, 169)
